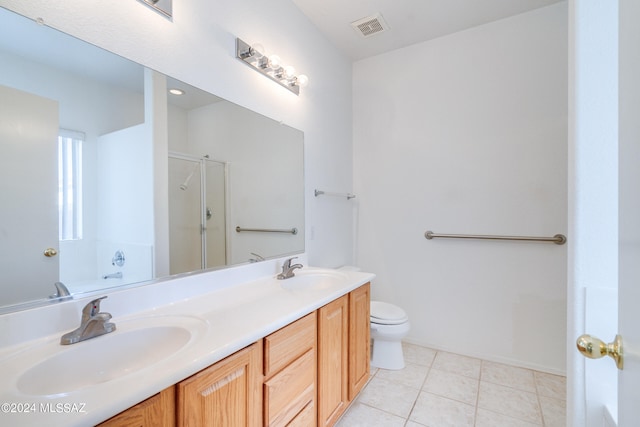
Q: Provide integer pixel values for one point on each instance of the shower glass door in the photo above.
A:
(197, 213)
(185, 215)
(215, 215)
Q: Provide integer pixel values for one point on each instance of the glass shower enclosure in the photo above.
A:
(197, 213)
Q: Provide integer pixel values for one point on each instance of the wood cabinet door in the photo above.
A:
(333, 331)
(156, 411)
(227, 394)
(359, 339)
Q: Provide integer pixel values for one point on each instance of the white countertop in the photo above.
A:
(229, 318)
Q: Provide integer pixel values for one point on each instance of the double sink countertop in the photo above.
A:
(168, 340)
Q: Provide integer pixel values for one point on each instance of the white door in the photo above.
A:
(628, 303)
(629, 213)
(28, 196)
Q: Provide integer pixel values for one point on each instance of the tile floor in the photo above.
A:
(439, 389)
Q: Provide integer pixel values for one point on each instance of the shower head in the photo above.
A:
(185, 184)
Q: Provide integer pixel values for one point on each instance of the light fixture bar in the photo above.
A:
(261, 63)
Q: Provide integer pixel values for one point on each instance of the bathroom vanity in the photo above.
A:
(260, 352)
(304, 374)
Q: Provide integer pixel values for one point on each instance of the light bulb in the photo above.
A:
(302, 80)
(274, 61)
(289, 71)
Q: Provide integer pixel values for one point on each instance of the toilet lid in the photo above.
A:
(384, 313)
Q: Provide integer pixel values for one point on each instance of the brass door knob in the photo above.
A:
(593, 348)
(49, 252)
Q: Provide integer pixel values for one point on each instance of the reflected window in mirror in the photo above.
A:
(70, 184)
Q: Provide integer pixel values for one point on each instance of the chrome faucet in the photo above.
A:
(92, 324)
(117, 275)
(62, 293)
(257, 258)
(287, 269)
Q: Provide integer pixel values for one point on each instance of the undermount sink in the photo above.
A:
(313, 279)
(125, 351)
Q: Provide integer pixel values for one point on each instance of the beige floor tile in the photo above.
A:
(441, 389)
(485, 418)
(554, 411)
(389, 396)
(418, 355)
(518, 404)
(360, 415)
(551, 385)
(436, 411)
(456, 364)
(412, 375)
(510, 376)
(453, 386)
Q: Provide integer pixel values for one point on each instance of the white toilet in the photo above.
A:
(389, 324)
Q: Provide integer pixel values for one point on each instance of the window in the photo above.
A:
(70, 184)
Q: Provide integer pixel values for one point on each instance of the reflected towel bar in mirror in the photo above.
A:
(268, 230)
(558, 239)
(328, 193)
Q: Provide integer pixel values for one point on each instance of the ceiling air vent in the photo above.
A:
(370, 25)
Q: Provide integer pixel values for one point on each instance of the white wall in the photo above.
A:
(125, 188)
(198, 47)
(467, 134)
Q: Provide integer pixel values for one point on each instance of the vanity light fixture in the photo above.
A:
(270, 66)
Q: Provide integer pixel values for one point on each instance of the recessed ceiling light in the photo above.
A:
(175, 91)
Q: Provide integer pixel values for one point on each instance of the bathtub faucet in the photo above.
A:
(117, 275)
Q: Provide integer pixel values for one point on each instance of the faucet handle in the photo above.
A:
(92, 308)
(287, 263)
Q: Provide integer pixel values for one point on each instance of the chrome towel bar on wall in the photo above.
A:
(268, 230)
(558, 239)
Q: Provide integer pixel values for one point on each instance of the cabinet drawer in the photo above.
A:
(287, 344)
(306, 417)
(290, 390)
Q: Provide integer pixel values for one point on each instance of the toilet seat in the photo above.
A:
(383, 313)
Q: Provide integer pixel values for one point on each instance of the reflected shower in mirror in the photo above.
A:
(82, 179)
(197, 213)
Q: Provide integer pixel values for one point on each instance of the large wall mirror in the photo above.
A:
(113, 174)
